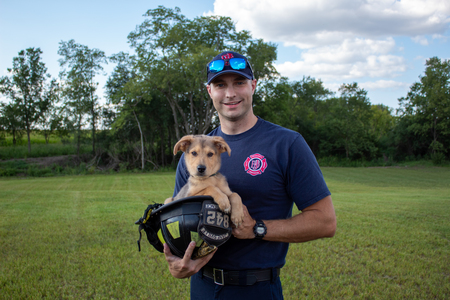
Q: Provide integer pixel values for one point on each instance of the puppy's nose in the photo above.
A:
(201, 169)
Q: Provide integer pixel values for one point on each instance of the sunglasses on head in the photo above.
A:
(235, 63)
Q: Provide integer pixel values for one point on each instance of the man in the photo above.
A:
(271, 168)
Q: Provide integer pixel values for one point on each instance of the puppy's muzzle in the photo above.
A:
(201, 169)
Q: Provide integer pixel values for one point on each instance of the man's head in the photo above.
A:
(231, 85)
(229, 62)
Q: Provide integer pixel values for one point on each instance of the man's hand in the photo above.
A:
(245, 230)
(185, 267)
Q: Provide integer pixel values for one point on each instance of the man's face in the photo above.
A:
(232, 96)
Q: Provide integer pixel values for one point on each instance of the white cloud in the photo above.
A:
(310, 23)
(373, 86)
(352, 59)
(420, 40)
(342, 40)
(384, 84)
(441, 37)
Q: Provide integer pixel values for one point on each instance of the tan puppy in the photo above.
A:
(202, 156)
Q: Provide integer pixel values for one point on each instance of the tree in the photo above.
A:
(122, 91)
(382, 125)
(171, 55)
(137, 103)
(310, 94)
(382, 120)
(293, 105)
(346, 125)
(274, 101)
(428, 104)
(82, 64)
(52, 123)
(11, 121)
(27, 87)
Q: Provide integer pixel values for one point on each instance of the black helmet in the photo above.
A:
(177, 223)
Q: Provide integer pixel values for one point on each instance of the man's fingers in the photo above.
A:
(166, 249)
(168, 253)
(189, 251)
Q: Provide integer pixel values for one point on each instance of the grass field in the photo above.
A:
(74, 237)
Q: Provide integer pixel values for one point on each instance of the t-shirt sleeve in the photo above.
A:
(181, 176)
(306, 184)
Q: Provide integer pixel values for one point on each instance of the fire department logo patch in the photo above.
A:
(255, 164)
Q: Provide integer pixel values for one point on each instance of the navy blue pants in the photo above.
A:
(203, 288)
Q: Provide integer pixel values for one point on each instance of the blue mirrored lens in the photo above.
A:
(216, 66)
(237, 63)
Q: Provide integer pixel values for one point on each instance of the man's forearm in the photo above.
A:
(316, 221)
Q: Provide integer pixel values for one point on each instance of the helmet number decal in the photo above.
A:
(216, 218)
(214, 226)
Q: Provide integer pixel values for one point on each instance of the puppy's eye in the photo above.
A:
(194, 153)
(210, 154)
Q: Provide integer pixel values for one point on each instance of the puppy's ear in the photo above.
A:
(183, 144)
(221, 145)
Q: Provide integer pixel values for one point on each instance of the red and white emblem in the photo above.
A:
(227, 56)
(255, 164)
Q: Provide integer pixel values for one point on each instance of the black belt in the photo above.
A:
(244, 277)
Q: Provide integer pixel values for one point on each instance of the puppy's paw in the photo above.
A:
(237, 210)
(168, 200)
(237, 216)
(224, 204)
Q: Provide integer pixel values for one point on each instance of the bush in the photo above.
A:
(35, 171)
(6, 172)
(438, 158)
(13, 168)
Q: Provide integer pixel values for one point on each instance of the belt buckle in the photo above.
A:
(218, 276)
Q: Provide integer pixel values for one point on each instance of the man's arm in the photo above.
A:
(316, 221)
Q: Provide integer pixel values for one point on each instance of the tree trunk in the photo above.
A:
(175, 117)
(163, 157)
(78, 135)
(29, 139)
(142, 141)
(434, 134)
(93, 133)
(93, 122)
(14, 136)
(346, 148)
(78, 141)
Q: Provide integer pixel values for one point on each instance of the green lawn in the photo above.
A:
(73, 237)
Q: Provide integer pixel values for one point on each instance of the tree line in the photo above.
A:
(157, 94)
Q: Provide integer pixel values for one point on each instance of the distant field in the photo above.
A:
(39, 148)
(74, 237)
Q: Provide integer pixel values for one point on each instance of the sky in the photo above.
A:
(380, 44)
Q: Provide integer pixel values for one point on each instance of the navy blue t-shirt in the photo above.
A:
(271, 168)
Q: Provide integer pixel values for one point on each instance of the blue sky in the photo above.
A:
(380, 44)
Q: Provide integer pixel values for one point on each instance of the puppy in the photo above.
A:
(202, 157)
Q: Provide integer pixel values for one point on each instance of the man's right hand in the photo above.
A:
(185, 267)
